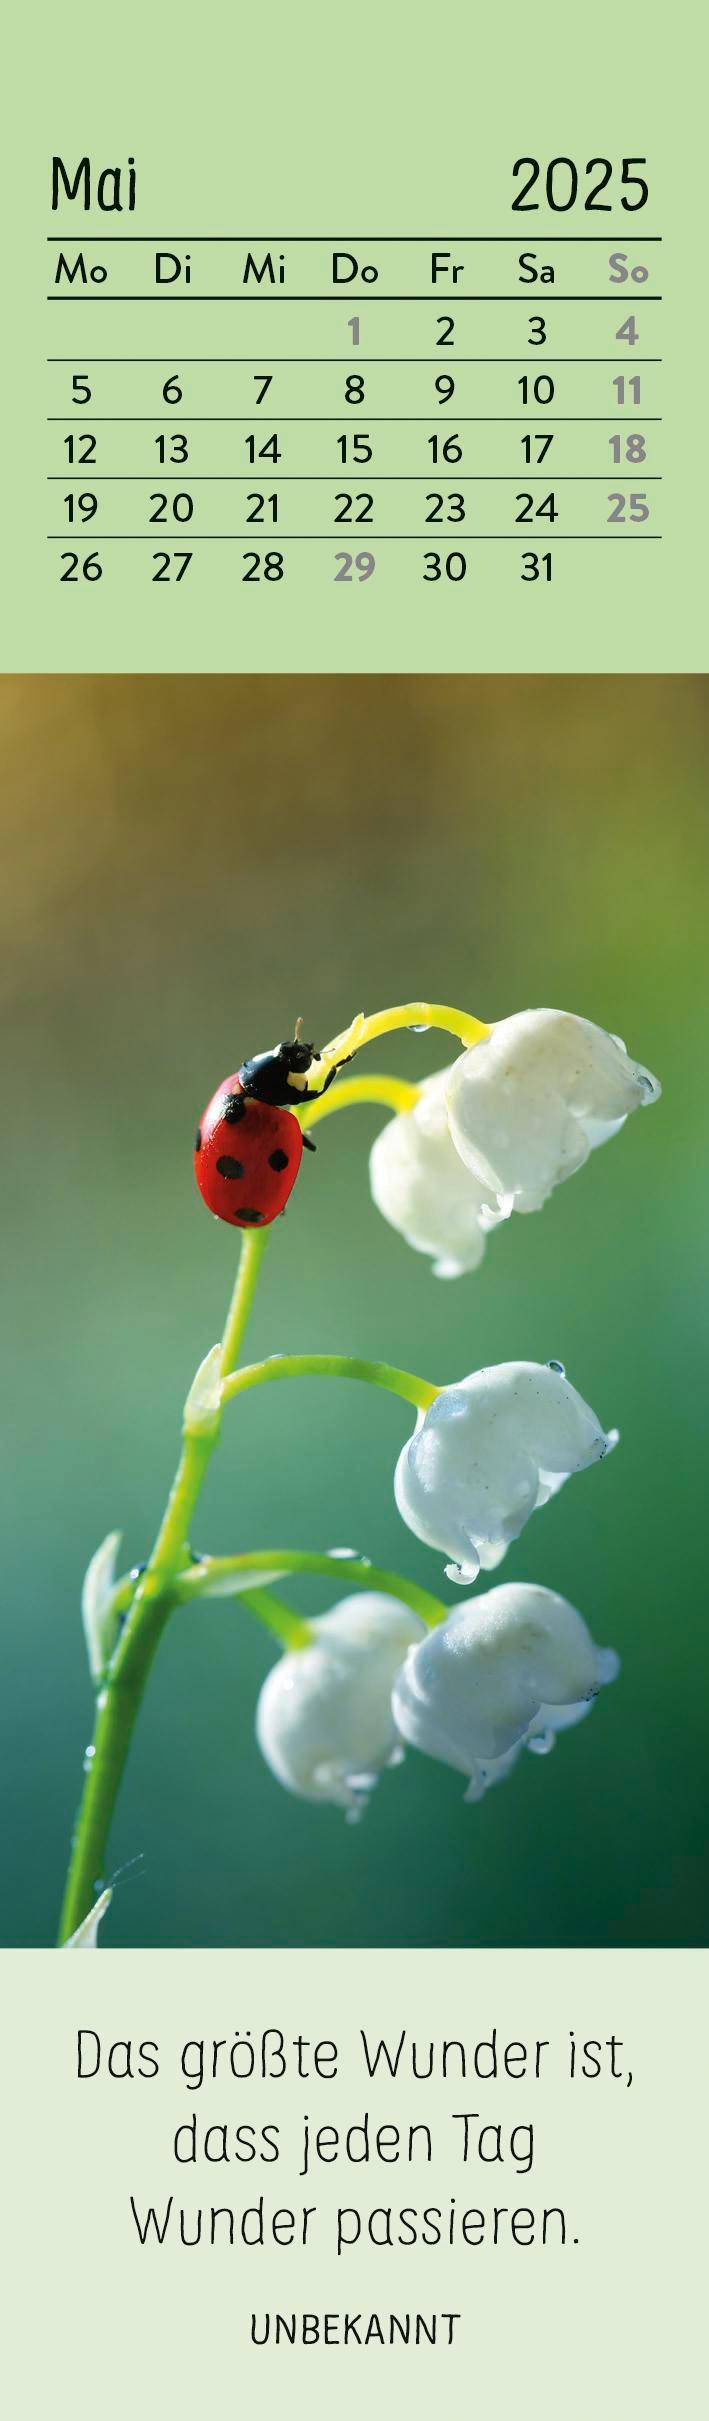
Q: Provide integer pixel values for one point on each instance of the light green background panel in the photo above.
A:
(188, 866)
(386, 124)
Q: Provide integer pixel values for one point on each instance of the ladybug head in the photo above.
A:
(274, 1075)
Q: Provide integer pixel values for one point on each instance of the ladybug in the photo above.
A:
(248, 1146)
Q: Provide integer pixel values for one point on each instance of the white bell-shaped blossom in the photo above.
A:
(421, 1185)
(528, 1104)
(506, 1671)
(487, 1452)
(324, 1721)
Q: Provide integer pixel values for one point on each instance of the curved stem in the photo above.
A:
(389, 1092)
(280, 1560)
(423, 1013)
(292, 1631)
(331, 1366)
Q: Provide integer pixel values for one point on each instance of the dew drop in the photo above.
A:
(348, 1555)
(559, 1366)
(425, 1029)
(89, 1755)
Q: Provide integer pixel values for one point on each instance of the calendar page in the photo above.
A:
(354, 758)
(392, 362)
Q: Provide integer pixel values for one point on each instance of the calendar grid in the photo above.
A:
(466, 428)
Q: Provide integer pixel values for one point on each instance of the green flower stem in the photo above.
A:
(197, 1582)
(150, 1608)
(386, 1092)
(116, 1710)
(331, 1366)
(417, 1013)
(252, 1252)
(289, 1628)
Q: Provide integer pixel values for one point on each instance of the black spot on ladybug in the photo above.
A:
(198, 1140)
(249, 1217)
(226, 1167)
(233, 1107)
(278, 1159)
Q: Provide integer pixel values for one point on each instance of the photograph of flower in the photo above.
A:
(208, 1685)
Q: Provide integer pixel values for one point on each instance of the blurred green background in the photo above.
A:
(187, 866)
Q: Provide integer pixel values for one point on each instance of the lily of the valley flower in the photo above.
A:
(499, 1128)
(422, 1186)
(528, 1104)
(324, 1721)
(487, 1452)
(506, 1671)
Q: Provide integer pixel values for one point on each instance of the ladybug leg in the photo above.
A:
(308, 1145)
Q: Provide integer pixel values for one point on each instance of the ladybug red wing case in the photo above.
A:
(247, 1156)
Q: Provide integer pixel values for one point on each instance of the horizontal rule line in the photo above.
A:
(309, 479)
(228, 361)
(380, 538)
(335, 241)
(376, 420)
(278, 296)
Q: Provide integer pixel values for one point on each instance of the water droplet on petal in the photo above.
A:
(541, 1743)
(560, 1366)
